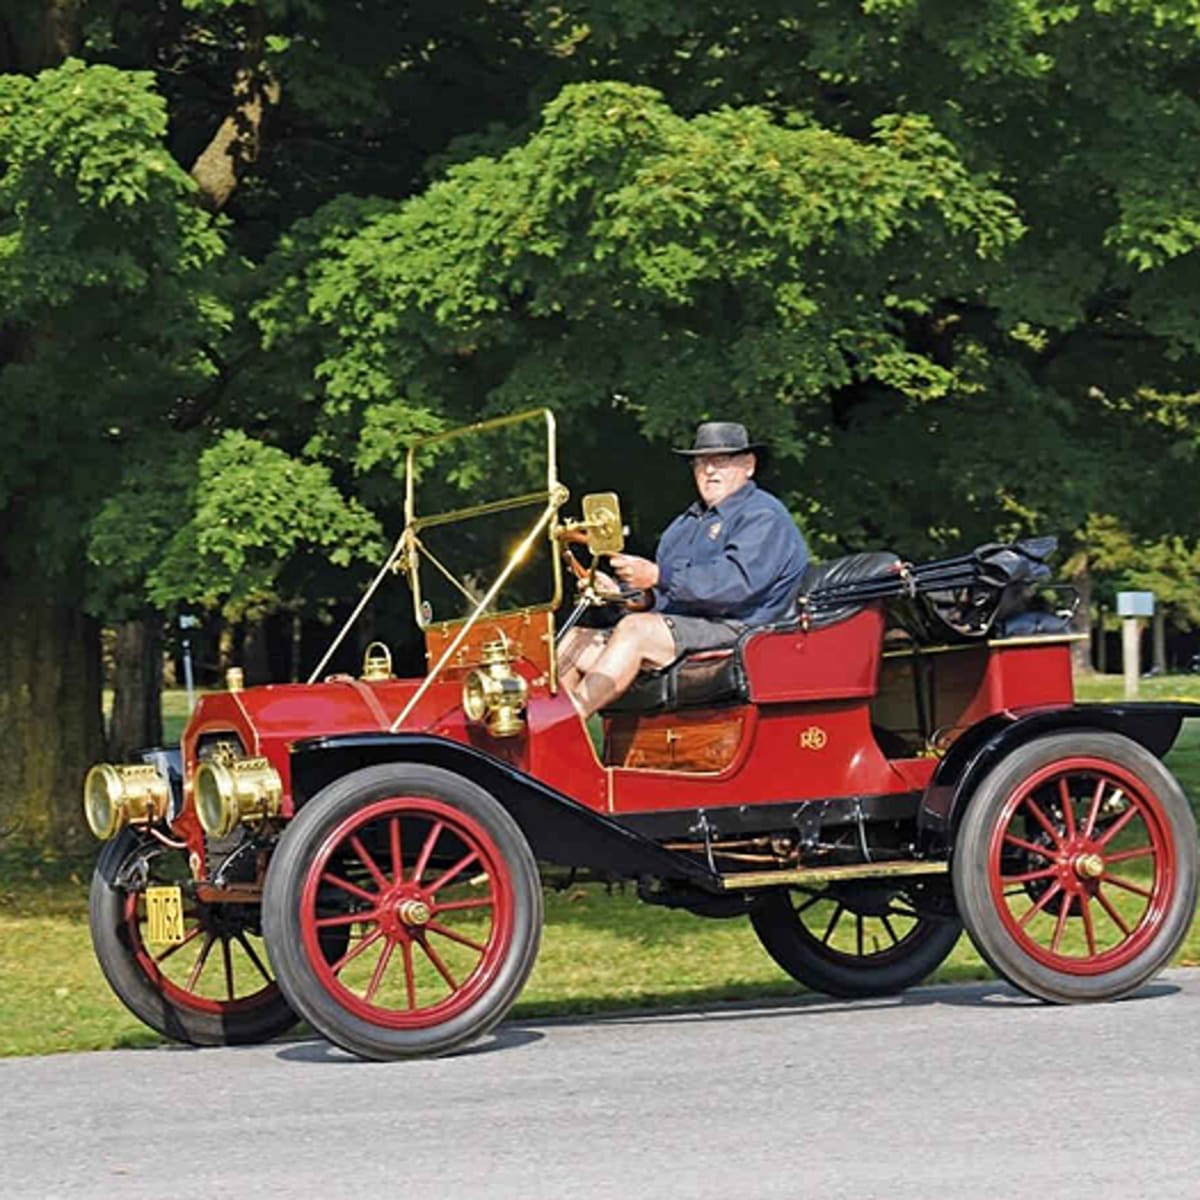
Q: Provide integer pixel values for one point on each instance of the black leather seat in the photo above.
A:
(713, 677)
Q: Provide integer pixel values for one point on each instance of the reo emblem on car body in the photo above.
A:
(813, 738)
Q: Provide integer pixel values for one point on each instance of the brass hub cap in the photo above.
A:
(414, 912)
(1089, 866)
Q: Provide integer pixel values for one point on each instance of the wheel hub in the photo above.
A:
(414, 912)
(1089, 866)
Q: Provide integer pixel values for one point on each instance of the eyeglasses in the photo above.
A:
(715, 462)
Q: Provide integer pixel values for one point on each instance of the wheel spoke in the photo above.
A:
(858, 933)
(1119, 824)
(347, 886)
(355, 951)
(194, 977)
(1094, 809)
(1029, 876)
(410, 982)
(435, 958)
(427, 851)
(454, 936)
(833, 920)
(380, 968)
(1033, 848)
(345, 919)
(1113, 912)
(1042, 819)
(252, 955)
(368, 862)
(1043, 900)
(1126, 855)
(458, 867)
(194, 932)
(1128, 885)
(1088, 932)
(890, 931)
(397, 858)
(1064, 911)
(807, 904)
(455, 905)
(227, 961)
(1064, 797)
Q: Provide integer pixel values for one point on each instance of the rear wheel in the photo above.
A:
(439, 892)
(213, 989)
(1075, 867)
(866, 938)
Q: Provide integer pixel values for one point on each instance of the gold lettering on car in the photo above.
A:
(813, 738)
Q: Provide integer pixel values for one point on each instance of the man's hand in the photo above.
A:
(603, 582)
(634, 572)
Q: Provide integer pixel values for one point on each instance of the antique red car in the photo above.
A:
(901, 758)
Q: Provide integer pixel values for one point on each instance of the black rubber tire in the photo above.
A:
(282, 918)
(112, 939)
(970, 869)
(786, 938)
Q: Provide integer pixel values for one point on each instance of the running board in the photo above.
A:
(800, 875)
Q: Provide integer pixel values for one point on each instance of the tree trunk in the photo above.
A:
(1081, 651)
(255, 660)
(50, 721)
(1101, 643)
(1160, 641)
(137, 689)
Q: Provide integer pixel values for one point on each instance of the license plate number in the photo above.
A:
(164, 915)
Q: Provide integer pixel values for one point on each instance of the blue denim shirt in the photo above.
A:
(741, 559)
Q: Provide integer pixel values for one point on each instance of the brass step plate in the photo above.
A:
(802, 875)
(164, 916)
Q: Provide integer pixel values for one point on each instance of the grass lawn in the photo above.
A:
(600, 951)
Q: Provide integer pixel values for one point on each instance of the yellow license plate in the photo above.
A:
(164, 915)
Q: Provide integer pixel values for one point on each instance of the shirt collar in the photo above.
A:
(729, 505)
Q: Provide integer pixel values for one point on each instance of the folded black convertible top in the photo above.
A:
(960, 597)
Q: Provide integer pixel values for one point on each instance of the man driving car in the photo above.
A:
(733, 559)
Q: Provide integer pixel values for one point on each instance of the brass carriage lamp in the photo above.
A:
(495, 693)
(116, 796)
(236, 790)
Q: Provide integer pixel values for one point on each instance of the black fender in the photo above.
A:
(559, 830)
(975, 752)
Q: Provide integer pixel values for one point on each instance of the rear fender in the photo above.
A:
(975, 752)
(559, 830)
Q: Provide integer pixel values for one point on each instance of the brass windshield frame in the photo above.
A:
(553, 496)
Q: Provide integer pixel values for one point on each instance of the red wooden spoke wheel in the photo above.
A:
(213, 989)
(857, 939)
(439, 892)
(1075, 866)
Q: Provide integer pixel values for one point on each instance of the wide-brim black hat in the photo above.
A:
(721, 437)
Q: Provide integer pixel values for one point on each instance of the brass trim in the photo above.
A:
(118, 795)
(528, 500)
(801, 875)
(227, 794)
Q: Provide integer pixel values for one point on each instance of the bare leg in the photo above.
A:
(640, 640)
(577, 652)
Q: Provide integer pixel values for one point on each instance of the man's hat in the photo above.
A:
(721, 437)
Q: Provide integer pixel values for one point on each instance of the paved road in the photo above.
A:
(968, 1091)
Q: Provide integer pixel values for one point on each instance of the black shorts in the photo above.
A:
(692, 634)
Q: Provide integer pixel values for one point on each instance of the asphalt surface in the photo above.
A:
(967, 1091)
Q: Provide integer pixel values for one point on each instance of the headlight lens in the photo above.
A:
(102, 801)
(474, 696)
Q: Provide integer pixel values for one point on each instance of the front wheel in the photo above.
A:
(213, 988)
(1075, 867)
(439, 893)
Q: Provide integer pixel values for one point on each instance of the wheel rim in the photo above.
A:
(427, 899)
(853, 934)
(1081, 866)
(218, 968)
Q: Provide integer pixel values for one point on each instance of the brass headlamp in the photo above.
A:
(495, 693)
(116, 796)
(232, 791)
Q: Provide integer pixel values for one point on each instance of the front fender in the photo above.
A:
(559, 830)
(975, 752)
